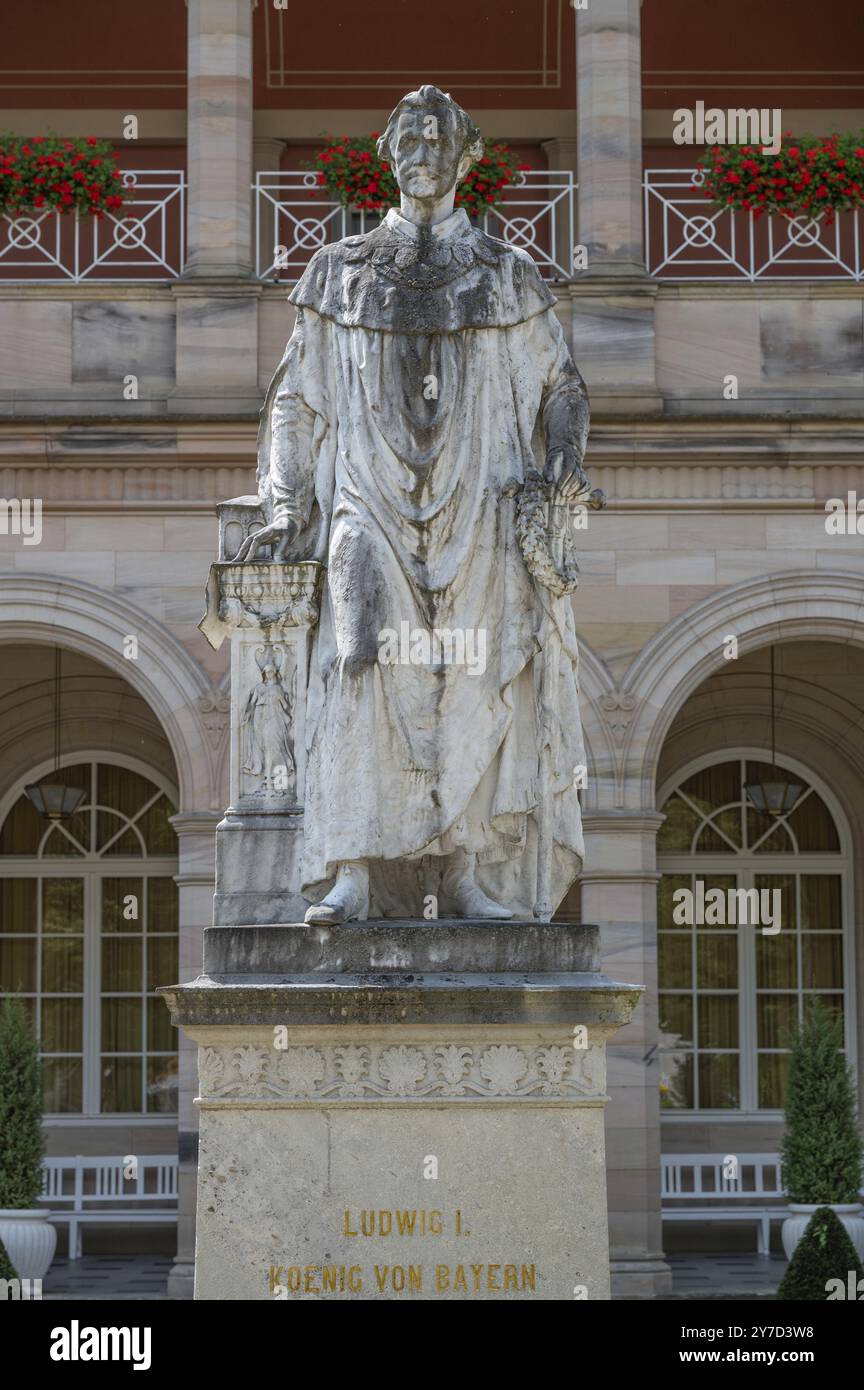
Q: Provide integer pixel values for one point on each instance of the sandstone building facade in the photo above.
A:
(131, 374)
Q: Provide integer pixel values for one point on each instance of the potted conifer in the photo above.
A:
(7, 1269)
(25, 1227)
(822, 1264)
(822, 1148)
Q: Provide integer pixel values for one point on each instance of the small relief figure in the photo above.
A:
(268, 747)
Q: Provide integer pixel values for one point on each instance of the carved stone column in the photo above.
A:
(619, 891)
(561, 158)
(194, 880)
(266, 157)
(609, 106)
(219, 137)
(217, 297)
(611, 301)
(268, 611)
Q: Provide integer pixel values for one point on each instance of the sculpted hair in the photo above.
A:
(432, 97)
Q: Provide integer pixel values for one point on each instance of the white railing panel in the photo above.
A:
(143, 240)
(294, 218)
(689, 238)
(538, 216)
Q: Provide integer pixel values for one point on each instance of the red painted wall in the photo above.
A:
(521, 55)
(786, 53)
(93, 53)
(349, 55)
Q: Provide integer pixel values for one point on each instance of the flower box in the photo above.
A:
(816, 176)
(52, 173)
(350, 169)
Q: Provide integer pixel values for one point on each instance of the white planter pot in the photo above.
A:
(30, 1240)
(794, 1226)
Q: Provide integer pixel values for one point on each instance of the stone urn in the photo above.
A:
(29, 1238)
(795, 1225)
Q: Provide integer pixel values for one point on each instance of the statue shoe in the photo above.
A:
(347, 901)
(464, 899)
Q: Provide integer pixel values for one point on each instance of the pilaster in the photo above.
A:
(619, 892)
(195, 836)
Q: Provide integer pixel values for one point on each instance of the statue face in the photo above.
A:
(427, 152)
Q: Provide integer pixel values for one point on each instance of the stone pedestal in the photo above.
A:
(397, 1110)
(267, 611)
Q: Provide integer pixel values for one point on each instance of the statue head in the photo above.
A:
(268, 663)
(430, 143)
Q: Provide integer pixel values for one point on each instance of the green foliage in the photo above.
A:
(822, 1147)
(6, 1269)
(824, 1252)
(22, 1143)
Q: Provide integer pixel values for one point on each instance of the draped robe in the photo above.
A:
(426, 376)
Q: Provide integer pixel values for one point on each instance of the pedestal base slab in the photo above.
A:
(397, 1110)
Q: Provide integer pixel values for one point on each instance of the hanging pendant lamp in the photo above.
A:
(775, 795)
(53, 800)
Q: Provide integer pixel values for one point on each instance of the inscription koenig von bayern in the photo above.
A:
(320, 1279)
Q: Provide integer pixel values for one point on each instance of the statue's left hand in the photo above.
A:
(564, 471)
(280, 535)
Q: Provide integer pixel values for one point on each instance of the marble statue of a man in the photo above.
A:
(426, 379)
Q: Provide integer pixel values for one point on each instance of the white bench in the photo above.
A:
(696, 1183)
(99, 1192)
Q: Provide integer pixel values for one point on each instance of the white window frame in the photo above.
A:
(745, 865)
(91, 867)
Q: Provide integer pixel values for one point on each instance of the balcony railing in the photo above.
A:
(144, 240)
(687, 238)
(293, 219)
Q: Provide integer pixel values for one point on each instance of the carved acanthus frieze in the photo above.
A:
(403, 1072)
(269, 597)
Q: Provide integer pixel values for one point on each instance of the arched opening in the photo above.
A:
(731, 982)
(736, 971)
(89, 906)
(88, 930)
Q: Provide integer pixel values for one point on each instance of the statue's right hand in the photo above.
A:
(279, 534)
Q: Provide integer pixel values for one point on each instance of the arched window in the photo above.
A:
(731, 988)
(88, 930)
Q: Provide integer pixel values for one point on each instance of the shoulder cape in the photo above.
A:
(386, 281)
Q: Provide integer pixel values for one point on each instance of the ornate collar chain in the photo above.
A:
(423, 258)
